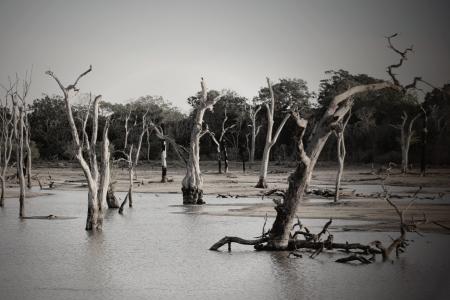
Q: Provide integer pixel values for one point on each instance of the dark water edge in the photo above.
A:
(154, 251)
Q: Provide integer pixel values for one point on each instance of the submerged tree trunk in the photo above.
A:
(2, 192)
(192, 183)
(278, 238)
(97, 183)
(19, 157)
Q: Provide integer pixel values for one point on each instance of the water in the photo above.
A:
(158, 250)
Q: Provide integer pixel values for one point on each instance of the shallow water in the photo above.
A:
(158, 250)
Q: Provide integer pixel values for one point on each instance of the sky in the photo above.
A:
(139, 48)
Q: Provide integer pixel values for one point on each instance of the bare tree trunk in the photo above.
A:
(27, 145)
(253, 112)
(148, 145)
(2, 193)
(130, 187)
(163, 161)
(406, 133)
(423, 157)
(19, 156)
(94, 218)
(225, 155)
(192, 184)
(341, 152)
(270, 141)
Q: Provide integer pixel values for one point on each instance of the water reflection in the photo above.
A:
(158, 250)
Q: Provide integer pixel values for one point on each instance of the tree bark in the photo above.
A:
(423, 156)
(192, 183)
(28, 150)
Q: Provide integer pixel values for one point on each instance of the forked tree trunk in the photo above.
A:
(7, 116)
(192, 184)
(97, 183)
(270, 141)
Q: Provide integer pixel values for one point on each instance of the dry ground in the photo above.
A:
(360, 201)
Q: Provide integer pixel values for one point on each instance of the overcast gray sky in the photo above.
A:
(164, 47)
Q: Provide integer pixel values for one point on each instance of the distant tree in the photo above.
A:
(290, 95)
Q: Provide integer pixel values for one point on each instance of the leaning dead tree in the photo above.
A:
(270, 140)
(280, 236)
(341, 153)
(6, 137)
(97, 178)
(221, 145)
(406, 133)
(192, 184)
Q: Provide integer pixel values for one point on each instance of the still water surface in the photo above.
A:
(158, 250)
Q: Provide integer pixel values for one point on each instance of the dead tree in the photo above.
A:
(98, 181)
(159, 131)
(406, 134)
(192, 184)
(270, 140)
(423, 156)
(19, 107)
(279, 237)
(221, 146)
(127, 129)
(253, 112)
(133, 161)
(341, 152)
(6, 137)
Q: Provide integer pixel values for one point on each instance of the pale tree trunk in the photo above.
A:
(96, 182)
(163, 161)
(255, 130)
(130, 187)
(6, 140)
(27, 145)
(270, 141)
(164, 145)
(341, 152)
(225, 155)
(406, 133)
(423, 156)
(19, 156)
(192, 183)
